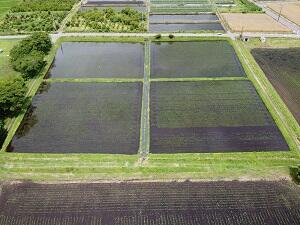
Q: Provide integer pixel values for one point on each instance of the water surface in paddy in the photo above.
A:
(170, 18)
(82, 118)
(194, 59)
(184, 27)
(98, 60)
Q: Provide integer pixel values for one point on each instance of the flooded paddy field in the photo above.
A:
(210, 116)
(162, 18)
(184, 22)
(194, 59)
(98, 60)
(224, 203)
(282, 68)
(181, 27)
(82, 118)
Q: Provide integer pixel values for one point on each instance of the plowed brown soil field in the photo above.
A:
(186, 203)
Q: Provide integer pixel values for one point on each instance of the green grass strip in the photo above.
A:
(196, 79)
(101, 39)
(145, 117)
(94, 80)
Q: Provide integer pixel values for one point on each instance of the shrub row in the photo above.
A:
(28, 56)
(31, 22)
(109, 20)
(295, 173)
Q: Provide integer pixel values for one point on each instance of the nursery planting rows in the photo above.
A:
(101, 98)
(174, 203)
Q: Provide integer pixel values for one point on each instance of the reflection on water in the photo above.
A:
(98, 60)
(28, 122)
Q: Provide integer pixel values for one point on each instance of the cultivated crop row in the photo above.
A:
(136, 203)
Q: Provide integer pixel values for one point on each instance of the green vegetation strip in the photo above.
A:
(145, 117)
(79, 167)
(197, 79)
(96, 80)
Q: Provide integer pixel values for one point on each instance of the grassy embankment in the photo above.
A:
(205, 166)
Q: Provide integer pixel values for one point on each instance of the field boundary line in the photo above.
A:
(96, 80)
(145, 117)
(69, 16)
(196, 79)
(279, 116)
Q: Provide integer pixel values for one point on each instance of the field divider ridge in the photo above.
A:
(186, 79)
(145, 117)
(95, 80)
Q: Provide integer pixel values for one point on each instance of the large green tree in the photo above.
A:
(29, 65)
(40, 42)
(12, 96)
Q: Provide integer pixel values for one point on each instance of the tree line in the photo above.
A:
(27, 57)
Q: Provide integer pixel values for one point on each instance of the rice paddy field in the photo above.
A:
(184, 22)
(170, 9)
(190, 59)
(187, 27)
(82, 117)
(282, 66)
(167, 18)
(98, 60)
(210, 116)
(138, 204)
(143, 125)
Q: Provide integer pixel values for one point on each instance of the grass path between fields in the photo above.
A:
(69, 17)
(145, 112)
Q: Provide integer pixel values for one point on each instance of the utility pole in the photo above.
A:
(280, 12)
